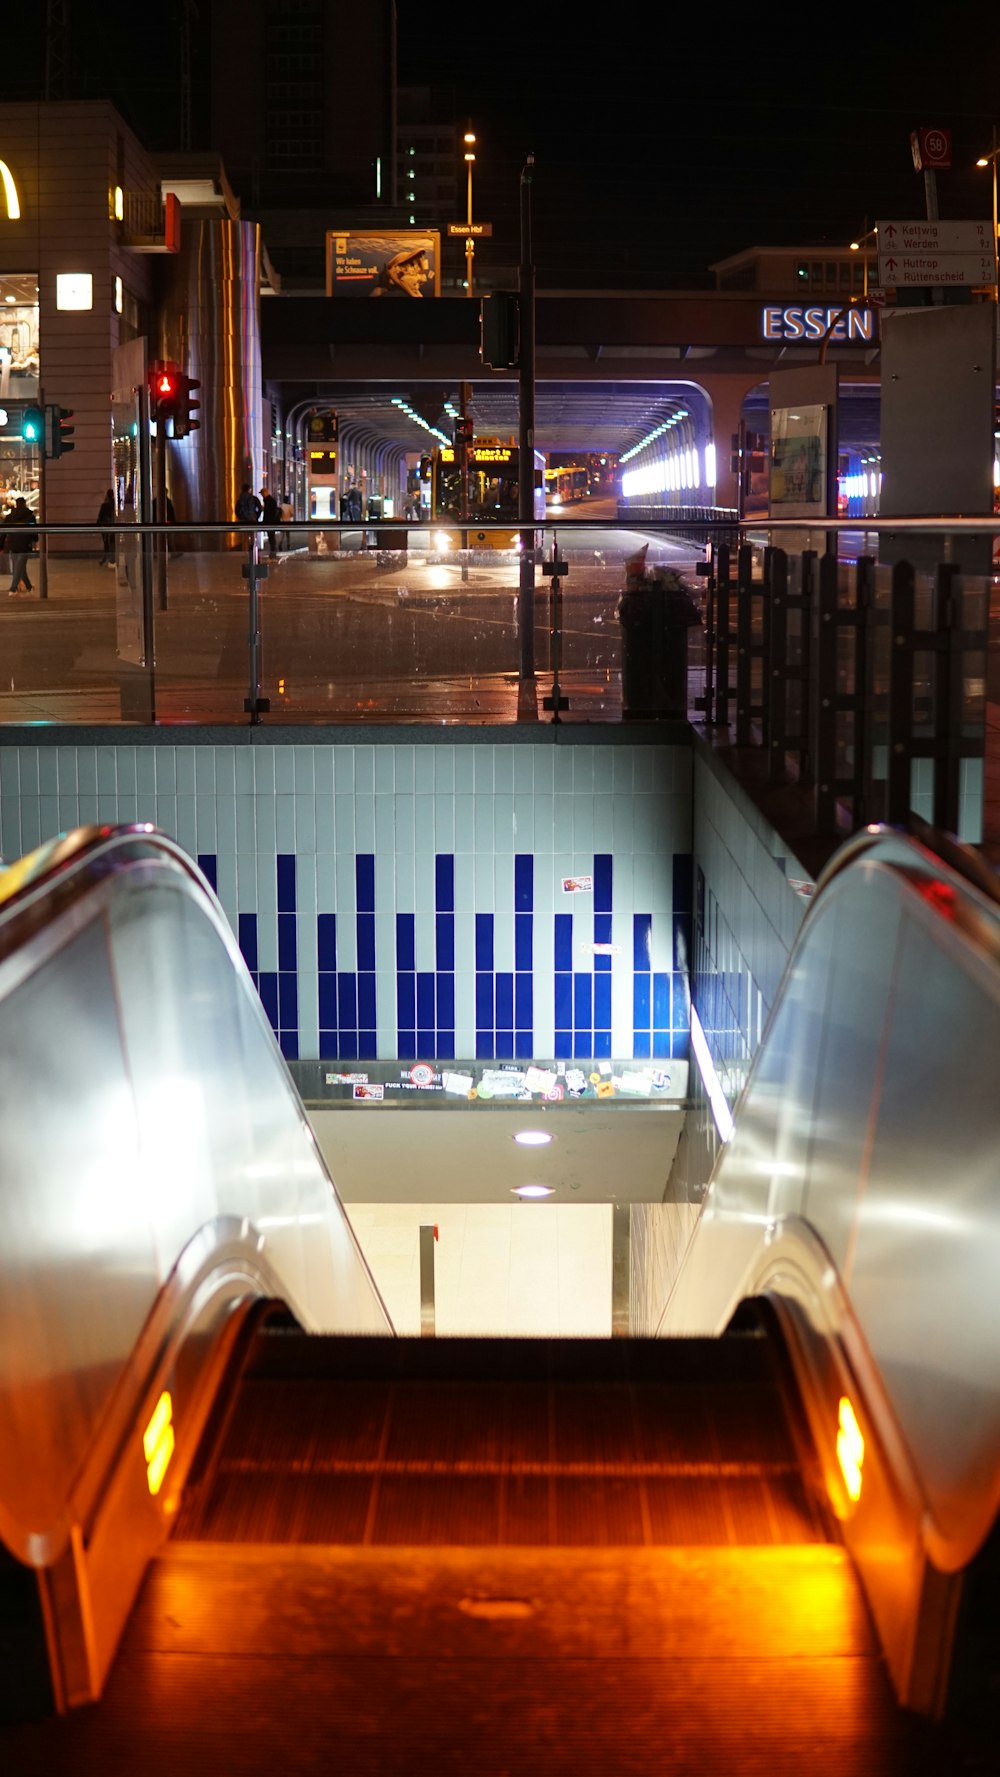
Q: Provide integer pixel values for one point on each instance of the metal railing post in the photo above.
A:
(254, 571)
(901, 693)
(825, 718)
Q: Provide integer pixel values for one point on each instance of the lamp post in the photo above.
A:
(858, 246)
(990, 160)
(465, 391)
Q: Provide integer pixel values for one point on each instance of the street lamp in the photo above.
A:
(470, 245)
(990, 160)
(856, 247)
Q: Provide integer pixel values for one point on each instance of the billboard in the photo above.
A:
(406, 262)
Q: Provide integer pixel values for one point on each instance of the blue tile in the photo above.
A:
(288, 1042)
(563, 940)
(642, 940)
(364, 877)
(484, 940)
(602, 882)
(406, 941)
(602, 1045)
(406, 1000)
(682, 1017)
(505, 1001)
(484, 1045)
(563, 1046)
(445, 990)
(602, 929)
(347, 1045)
(407, 1043)
(683, 886)
(288, 1001)
(366, 940)
(367, 1045)
(208, 865)
(426, 1042)
(564, 1001)
(523, 934)
(287, 941)
(583, 1017)
(445, 1044)
(268, 989)
(661, 1045)
(445, 923)
(640, 1045)
(286, 882)
(661, 1000)
(682, 939)
(524, 1048)
(328, 1002)
(444, 883)
(425, 1000)
(524, 1016)
(484, 1002)
(326, 940)
(327, 1044)
(583, 1045)
(366, 1001)
(505, 1045)
(602, 1002)
(247, 928)
(641, 1002)
(347, 1001)
(524, 882)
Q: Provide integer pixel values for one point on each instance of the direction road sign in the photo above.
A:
(470, 228)
(934, 237)
(935, 268)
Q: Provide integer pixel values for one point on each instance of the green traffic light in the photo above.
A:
(33, 425)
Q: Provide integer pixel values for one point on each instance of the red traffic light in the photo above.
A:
(164, 383)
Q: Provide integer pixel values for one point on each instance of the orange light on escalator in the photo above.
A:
(158, 1442)
(850, 1448)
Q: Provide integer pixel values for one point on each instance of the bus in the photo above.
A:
(564, 485)
(494, 472)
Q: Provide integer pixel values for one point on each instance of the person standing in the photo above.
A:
(271, 514)
(248, 507)
(106, 518)
(21, 540)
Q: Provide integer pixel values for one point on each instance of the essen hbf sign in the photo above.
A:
(793, 322)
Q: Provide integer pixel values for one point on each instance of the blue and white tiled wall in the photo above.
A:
(399, 900)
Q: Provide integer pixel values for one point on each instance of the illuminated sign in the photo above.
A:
(406, 262)
(795, 322)
(483, 453)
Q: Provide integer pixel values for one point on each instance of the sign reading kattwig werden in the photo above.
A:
(932, 253)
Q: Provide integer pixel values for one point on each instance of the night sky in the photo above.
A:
(664, 138)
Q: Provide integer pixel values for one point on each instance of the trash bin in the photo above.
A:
(655, 611)
(391, 539)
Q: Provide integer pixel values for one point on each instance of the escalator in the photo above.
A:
(244, 1528)
(497, 1556)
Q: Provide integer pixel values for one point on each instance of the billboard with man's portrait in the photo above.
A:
(405, 263)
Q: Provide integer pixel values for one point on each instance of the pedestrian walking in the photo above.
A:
(287, 515)
(106, 518)
(248, 508)
(21, 539)
(271, 514)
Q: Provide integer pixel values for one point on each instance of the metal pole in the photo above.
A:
(160, 501)
(428, 1323)
(527, 701)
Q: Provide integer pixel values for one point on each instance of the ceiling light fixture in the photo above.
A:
(532, 1138)
(532, 1190)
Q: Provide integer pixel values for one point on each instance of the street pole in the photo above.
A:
(465, 394)
(527, 696)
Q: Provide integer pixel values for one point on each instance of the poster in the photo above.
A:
(404, 263)
(799, 461)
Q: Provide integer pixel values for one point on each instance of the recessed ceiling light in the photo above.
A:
(532, 1190)
(532, 1138)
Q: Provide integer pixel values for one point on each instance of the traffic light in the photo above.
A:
(500, 330)
(186, 406)
(164, 386)
(33, 426)
(463, 431)
(59, 431)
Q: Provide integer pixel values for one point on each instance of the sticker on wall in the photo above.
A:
(539, 1079)
(363, 1091)
(347, 1079)
(422, 1075)
(599, 949)
(578, 885)
(460, 1085)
